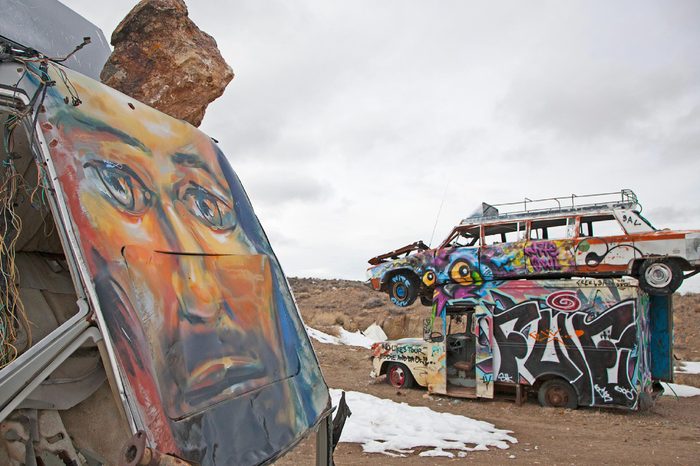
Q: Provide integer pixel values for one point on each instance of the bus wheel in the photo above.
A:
(557, 393)
(398, 376)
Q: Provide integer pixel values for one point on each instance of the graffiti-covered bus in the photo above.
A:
(145, 318)
(570, 343)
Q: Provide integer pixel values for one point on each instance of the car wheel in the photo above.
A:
(403, 289)
(425, 301)
(398, 376)
(557, 393)
(660, 276)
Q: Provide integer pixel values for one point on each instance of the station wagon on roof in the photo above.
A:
(600, 235)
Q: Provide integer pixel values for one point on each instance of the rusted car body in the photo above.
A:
(570, 342)
(599, 239)
(140, 293)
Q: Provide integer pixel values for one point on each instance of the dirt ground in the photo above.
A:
(667, 434)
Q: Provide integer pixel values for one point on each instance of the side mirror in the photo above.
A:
(436, 337)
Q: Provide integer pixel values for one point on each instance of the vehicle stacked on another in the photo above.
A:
(596, 235)
(508, 315)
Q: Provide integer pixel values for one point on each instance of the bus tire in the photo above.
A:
(557, 393)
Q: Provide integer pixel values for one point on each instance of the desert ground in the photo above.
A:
(667, 434)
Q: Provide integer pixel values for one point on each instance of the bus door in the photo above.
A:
(482, 329)
(460, 353)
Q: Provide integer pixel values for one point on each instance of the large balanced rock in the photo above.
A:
(164, 60)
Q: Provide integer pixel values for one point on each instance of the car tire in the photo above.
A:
(557, 393)
(398, 376)
(403, 289)
(425, 301)
(660, 276)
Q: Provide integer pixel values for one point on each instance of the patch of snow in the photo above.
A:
(354, 339)
(395, 429)
(437, 452)
(689, 367)
(365, 340)
(674, 389)
(322, 337)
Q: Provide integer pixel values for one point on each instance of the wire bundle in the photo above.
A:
(12, 314)
(14, 189)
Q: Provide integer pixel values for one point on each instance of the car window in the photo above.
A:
(458, 324)
(464, 238)
(555, 228)
(600, 225)
(504, 233)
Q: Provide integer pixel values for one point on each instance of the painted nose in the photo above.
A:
(194, 277)
(200, 291)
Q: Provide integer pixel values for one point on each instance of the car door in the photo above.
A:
(457, 259)
(550, 247)
(603, 247)
(501, 253)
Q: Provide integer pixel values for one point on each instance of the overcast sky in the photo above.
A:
(350, 122)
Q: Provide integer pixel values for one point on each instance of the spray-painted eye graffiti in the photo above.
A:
(462, 273)
(206, 333)
(429, 278)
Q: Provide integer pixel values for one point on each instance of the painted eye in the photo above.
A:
(429, 278)
(208, 208)
(460, 272)
(120, 185)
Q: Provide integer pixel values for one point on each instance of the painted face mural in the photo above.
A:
(194, 299)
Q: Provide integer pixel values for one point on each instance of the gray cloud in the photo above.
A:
(605, 77)
(276, 188)
(673, 216)
(350, 122)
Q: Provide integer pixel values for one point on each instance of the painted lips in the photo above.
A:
(231, 369)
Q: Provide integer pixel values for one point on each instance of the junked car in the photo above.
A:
(600, 235)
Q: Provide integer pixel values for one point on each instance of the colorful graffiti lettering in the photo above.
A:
(589, 336)
(543, 256)
(472, 265)
(603, 342)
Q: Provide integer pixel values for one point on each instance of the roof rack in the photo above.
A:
(623, 199)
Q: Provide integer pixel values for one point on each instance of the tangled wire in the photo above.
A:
(14, 190)
(12, 314)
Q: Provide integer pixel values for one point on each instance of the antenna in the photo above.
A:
(444, 195)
